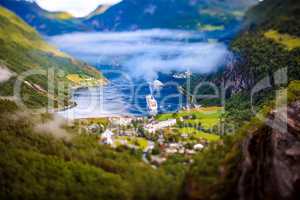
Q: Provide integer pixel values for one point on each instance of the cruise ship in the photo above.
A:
(152, 104)
(182, 75)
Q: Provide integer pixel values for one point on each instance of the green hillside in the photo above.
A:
(268, 44)
(55, 162)
(205, 15)
(62, 164)
(242, 167)
(277, 14)
(22, 49)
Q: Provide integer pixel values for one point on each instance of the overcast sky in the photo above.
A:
(78, 8)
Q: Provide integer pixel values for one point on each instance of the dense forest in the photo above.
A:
(60, 164)
(262, 48)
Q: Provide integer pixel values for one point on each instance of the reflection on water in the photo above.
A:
(130, 59)
(124, 97)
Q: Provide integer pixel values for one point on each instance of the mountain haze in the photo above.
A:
(203, 15)
(48, 23)
(184, 14)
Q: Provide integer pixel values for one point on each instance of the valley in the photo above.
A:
(150, 100)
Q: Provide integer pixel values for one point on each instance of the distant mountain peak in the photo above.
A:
(99, 10)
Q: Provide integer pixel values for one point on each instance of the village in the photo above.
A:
(184, 133)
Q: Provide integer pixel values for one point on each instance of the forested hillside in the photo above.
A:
(209, 15)
(59, 163)
(266, 44)
(22, 49)
(179, 14)
(46, 158)
(269, 43)
(253, 162)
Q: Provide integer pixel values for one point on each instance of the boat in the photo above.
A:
(151, 104)
(183, 75)
(157, 85)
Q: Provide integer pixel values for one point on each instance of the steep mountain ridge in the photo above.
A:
(23, 49)
(282, 15)
(48, 23)
(270, 168)
(48, 154)
(268, 25)
(133, 14)
(257, 161)
(207, 15)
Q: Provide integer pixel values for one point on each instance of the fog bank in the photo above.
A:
(144, 53)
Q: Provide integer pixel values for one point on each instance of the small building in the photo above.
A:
(107, 137)
(198, 147)
(190, 152)
(161, 139)
(153, 127)
(121, 121)
(184, 135)
(171, 151)
(158, 160)
(93, 128)
(181, 151)
(174, 145)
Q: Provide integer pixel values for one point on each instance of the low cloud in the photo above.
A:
(146, 53)
(5, 74)
(54, 127)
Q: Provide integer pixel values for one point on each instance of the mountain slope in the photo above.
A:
(133, 14)
(48, 23)
(281, 15)
(205, 15)
(257, 161)
(22, 49)
(60, 163)
(44, 157)
(269, 41)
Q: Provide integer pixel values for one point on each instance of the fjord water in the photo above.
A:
(132, 60)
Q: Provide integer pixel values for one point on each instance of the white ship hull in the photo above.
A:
(152, 105)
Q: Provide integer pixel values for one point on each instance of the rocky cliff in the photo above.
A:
(271, 165)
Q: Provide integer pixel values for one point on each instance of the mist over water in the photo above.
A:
(132, 59)
(145, 53)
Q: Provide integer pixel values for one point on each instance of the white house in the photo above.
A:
(93, 128)
(198, 147)
(106, 137)
(153, 127)
(171, 151)
(121, 121)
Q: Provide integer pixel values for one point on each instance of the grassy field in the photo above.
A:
(209, 27)
(60, 15)
(83, 80)
(204, 119)
(201, 113)
(206, 123)
(141, 143)
(289, 41)
(199, 134)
